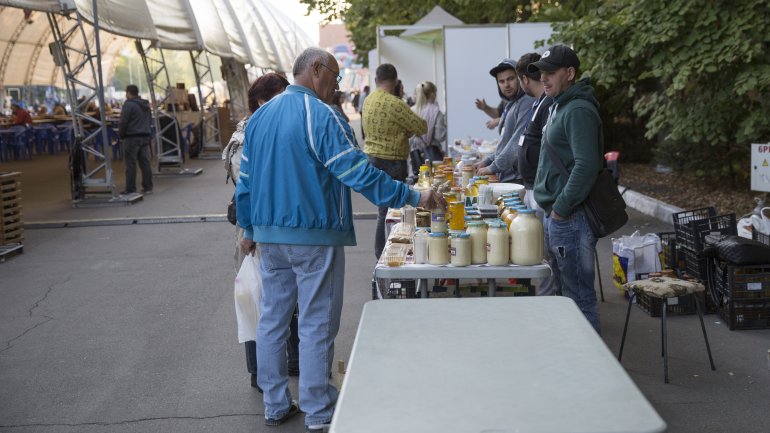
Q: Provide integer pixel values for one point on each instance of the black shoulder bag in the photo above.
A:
(604, 207)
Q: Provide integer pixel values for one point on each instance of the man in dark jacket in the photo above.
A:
(573, 136)
(134, 131)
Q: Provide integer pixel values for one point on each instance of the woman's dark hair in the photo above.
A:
(265, 87)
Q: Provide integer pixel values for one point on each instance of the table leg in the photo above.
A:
(492, 287)
(423, 283)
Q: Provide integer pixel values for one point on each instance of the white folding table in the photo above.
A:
(503, 365)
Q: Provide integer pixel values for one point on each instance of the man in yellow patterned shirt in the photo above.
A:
(388, 123)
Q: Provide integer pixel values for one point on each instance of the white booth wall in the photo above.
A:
(415, 62)
(471, 51)
(460, 68)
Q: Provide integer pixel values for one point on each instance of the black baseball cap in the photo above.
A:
(555, 57)
(503, 65)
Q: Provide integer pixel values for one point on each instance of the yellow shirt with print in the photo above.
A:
(388, 123)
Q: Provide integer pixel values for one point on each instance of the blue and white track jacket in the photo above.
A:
(300, 159)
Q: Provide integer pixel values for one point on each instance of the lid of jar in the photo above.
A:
(476, 223)
(463, 235)
(521, 207)
(527, 211)
(453, 203)
(437, 234)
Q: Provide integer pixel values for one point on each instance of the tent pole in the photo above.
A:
(77, 66)
(209, 121)
(167, 133)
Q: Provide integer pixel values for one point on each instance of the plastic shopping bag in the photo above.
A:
(248, 294)
(635, 254)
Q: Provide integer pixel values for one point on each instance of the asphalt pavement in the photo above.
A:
(121, 319)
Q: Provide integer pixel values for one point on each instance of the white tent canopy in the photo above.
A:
(250, 31)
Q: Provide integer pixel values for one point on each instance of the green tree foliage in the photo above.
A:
(696, 73)
(362, 17)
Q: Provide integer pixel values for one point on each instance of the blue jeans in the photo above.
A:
(572, 244)
(312, 277)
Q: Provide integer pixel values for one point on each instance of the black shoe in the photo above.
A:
(254, 383)
(293, 410)
(127, 192)
(146, 191)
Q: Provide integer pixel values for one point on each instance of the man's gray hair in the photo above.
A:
(306, 59)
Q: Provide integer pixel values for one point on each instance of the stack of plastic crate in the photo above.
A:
(691, 228)
(11, 222)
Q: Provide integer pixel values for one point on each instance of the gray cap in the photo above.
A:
(503, 65)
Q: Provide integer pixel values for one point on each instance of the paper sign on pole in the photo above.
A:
(760, 167)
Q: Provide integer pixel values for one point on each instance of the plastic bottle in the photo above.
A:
(423, 181)
(526, 239)
(460, 251)
(471, 194)
(438, 249)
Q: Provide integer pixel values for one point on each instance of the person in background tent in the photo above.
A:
(19, 115)
(337, 100)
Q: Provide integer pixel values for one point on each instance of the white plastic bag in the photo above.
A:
(635, 254)
(248, 294)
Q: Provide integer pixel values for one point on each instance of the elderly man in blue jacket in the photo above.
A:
(300, 160)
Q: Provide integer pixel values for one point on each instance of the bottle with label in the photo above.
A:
(526, 238)
(438, 249)
(478, 234)
(460, 251)
(497, 244)
(438, 219)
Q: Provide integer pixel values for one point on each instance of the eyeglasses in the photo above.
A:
(338, 77)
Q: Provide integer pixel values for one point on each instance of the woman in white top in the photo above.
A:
(432, 144)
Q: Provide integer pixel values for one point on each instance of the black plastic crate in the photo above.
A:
(691, 235)
(395, 289)
(676, 306)
(736, 282)
(746, 314)
(694, 264)
(688, 216)
(760, 237)
(668, 253)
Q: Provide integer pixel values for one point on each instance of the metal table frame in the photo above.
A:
(423, 272)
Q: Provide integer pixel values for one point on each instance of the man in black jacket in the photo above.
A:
(134, 131)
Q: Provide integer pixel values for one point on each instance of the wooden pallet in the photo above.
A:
(11, 215)
(8, 251)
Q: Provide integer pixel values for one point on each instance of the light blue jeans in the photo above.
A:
(572, 243)
(312, 277)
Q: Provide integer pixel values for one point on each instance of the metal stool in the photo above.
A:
(664, 288)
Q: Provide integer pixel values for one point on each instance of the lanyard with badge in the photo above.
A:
(534, 109)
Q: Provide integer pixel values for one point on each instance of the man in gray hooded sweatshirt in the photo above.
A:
(134, 131)
(512, 123)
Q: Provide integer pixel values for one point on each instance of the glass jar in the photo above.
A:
(526, 239)
(449, 173)
(497, 244)
(438, 219)
(421, 247)
(478, 234)
(438, 249)
(467, 174)
(460, 251)
(456, 215)
(423, 180)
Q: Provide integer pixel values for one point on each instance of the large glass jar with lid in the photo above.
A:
(497, 244)
(460, 250)
(438, 249)
(526, 233)
(478, 234)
